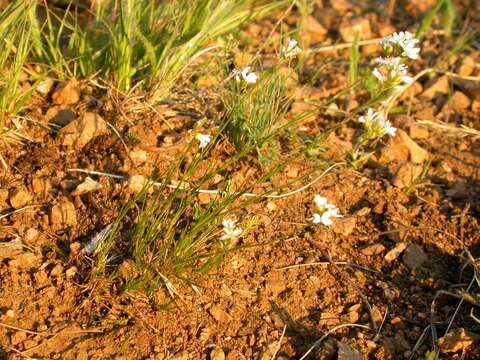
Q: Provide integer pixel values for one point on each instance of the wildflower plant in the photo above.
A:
(391, 69)
(384, 82)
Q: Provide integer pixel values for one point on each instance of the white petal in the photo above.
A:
(326, 219)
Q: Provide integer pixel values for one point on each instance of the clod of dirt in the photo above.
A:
(414, 256)
(341, 5)
(3, 199)
(312, 31)
(136, 183)
(217, 354)
(406, 174)
(274, 283)
(413, 90)
(466, 66)
(63, 215)
(438, 86)
(349, 27)
(219, 314)
(79, 132)
(418, 132)
(403, 148)
(44, 86)
(476, 106)
(31, 235)
(396, 251)
(470, 87)
(87, 186)
(459, 190)
(138, 156)
(457, 340)
(41, 185)
(183, 355)
(57, 271)
(19, 197)
(60, 115)
(459, 101)
(71, 272)
(67, 93)
(346, 352)
(10, 249)
(373, 249)
(344, 226)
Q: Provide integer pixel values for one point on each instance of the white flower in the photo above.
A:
(324, 211)
(404, 41)
(230, 231)
(245, 74)
(292, 49)
(377, 124)
(392, 70)
(203, 139)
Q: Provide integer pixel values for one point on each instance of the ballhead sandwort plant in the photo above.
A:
(384, 82)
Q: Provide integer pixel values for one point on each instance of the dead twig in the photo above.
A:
(319, 341)
(277, 349)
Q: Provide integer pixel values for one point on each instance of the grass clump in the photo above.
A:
(256, 114)
(15, 36)
(146, 45)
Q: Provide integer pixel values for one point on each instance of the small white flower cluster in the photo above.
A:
(203, 140)
(397, 48)
(391, 71)
(292, 49)
(245, 75)
(250, 77)
(376, 124)
(324, 211)
(401, 44)
(230, 231)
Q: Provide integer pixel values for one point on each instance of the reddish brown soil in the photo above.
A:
(242, 307)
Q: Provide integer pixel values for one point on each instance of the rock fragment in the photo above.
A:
(217, 354)
(219, 314)
(414, 256)
(459, 102)
(466, 66)
(396, 251)
(438, 86)
(274, 283)
(457, 340)
(346, 352)
(403, 148)
(350, 27)
(344, 226)
(406, 174)
(63, 215)
(79, 132)
(67, 93)
(87, 186)
(373, 249)
(19, 197)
